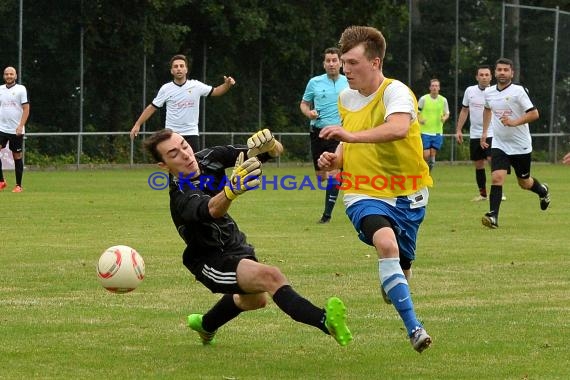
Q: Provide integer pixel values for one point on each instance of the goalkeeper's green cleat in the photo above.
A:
(195, 323)
(336, 321)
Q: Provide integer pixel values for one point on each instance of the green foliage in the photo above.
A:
(271, 48)
(43, 160)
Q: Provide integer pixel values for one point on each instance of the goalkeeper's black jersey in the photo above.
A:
(189, 197)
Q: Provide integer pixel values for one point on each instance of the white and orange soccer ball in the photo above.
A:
(120, 269)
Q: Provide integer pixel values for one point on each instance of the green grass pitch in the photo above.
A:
(496, 302)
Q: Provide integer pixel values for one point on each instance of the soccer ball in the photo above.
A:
(120, 269)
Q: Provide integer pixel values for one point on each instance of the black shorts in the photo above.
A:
(16, 142)
(217, 272)
(476, 152)
(502, 161)
(319, 145)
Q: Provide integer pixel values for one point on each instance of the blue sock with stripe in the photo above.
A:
(396, 287)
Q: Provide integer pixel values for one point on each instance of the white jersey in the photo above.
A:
(396, 99)
(182, 105)
(512, 101)
(11, 101)
(474, 99)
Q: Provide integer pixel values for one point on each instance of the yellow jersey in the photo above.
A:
(387, 169)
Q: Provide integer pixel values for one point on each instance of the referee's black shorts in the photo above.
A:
(319, 145)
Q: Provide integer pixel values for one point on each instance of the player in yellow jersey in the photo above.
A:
(385, 177)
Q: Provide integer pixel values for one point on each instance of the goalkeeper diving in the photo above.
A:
(217, 252)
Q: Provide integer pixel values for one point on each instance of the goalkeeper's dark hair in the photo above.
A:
(152, 142)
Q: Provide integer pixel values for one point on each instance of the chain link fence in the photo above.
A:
(481, 31)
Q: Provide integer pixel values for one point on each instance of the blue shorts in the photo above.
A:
(406, 221)
(431, 141)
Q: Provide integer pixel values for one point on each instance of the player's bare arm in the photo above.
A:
(487, 114)
(229, 82)
(145, 115)
(23, 119)
(460, 123)
(336, 132)
(307, 111)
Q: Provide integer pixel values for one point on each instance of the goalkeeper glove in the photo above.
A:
(245, 176)
(261, 142)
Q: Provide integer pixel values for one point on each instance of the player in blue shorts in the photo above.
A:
(433, 113)
(381, 146)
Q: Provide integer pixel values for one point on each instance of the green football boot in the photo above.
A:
(195, 323)
(336, 321)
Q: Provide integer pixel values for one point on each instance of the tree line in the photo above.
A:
(270, 47)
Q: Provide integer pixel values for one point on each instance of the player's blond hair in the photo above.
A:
(371, 38)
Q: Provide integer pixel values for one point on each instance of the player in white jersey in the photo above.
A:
(472, 107)
(508, 110)
(14, 112)
(182, 99)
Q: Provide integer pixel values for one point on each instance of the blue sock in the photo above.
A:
(396, 287)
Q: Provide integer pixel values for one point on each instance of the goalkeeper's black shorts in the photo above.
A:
(218, 272)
